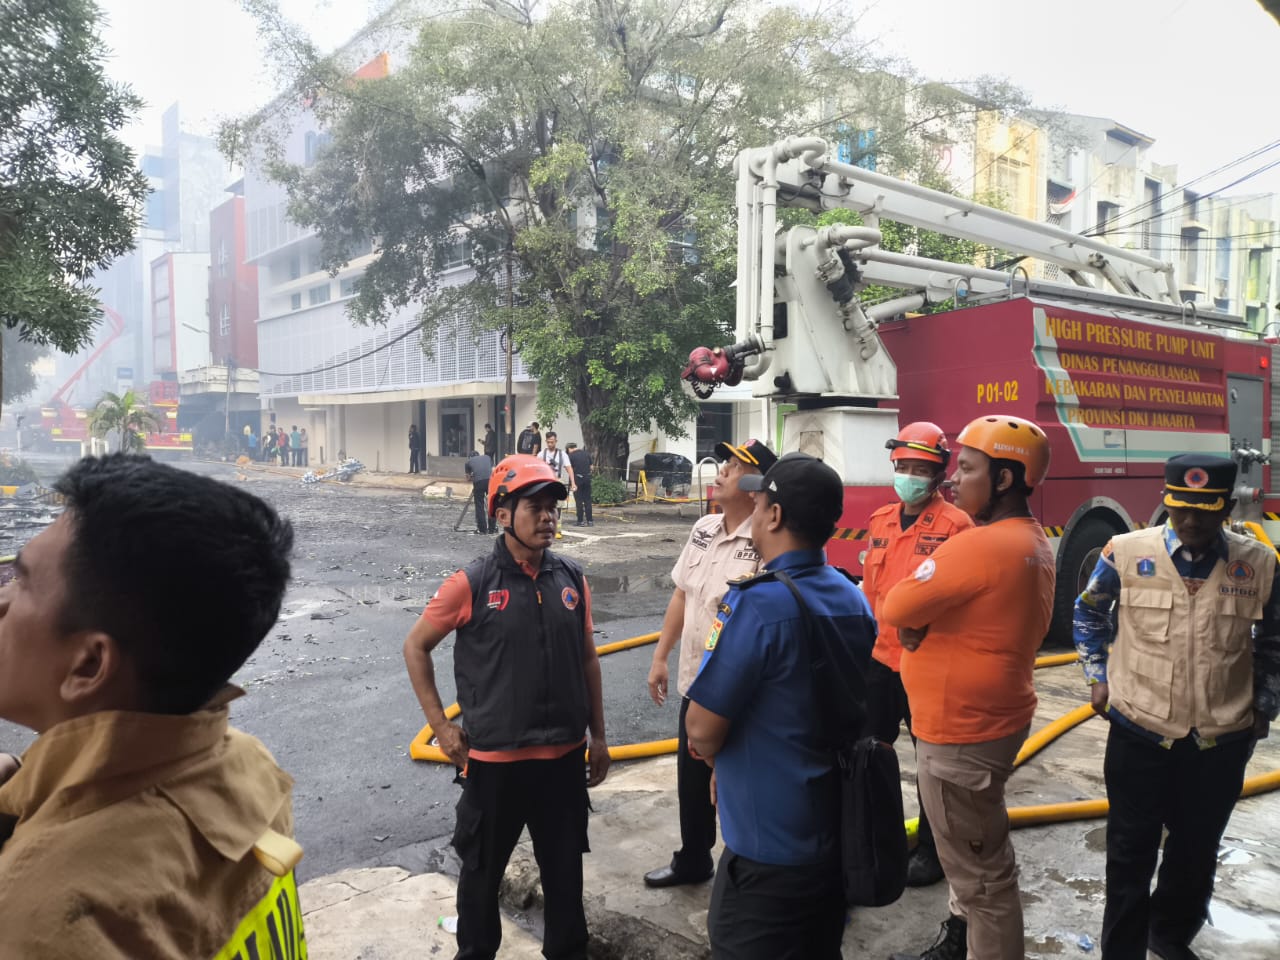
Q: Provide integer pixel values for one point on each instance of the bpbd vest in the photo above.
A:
(518, 662)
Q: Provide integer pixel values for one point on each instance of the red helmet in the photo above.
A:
(921, 440)
(521, 474)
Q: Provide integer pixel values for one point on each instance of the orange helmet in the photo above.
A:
(921, 440)
(521, 474)
(1010, 438)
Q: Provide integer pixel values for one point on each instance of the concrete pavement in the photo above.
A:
(389, 914)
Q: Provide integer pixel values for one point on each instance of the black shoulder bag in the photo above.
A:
(873, 837)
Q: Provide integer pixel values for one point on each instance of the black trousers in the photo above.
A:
(1189, 791)
(697, 815)
(583, 498)
(887, 708)
(764, 912)
(498, 801)
(480, 494)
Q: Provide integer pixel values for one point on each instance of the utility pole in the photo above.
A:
(226, 425)
(511, 400)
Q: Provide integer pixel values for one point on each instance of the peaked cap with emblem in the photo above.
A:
(1199, 481)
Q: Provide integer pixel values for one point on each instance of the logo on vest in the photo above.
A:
(1146, 566)
(498, 599)
(1240, 572)
(569, 597)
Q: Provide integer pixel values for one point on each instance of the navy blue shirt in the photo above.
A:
(777, 792)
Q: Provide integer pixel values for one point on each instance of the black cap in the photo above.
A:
(810, 493)
(1199, 481)
(751, 452)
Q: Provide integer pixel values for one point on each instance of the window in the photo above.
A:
(455, 254)
(155, 210)
(1107, 213)
(222, 257)
(1008, 178)
(1256, 281)
(295, 267)
(314, 145)
(295, 301)
(317, 295)
(348, 286)
(1151, 220)
(224, 321)
(359, 248)
(314, 263)
(856, 147)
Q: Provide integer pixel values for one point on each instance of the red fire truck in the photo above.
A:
(67, 426)
(1119, 372)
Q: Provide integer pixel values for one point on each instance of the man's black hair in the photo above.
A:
(1018, 474)
(185, 573)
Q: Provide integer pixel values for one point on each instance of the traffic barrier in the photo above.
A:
(421, 748)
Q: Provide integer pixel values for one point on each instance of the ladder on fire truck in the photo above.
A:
(802, 172)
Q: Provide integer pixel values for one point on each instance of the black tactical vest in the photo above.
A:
(518, 662)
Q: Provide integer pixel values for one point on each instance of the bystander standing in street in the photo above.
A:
(558, 461)
(719, 551)
(901, 535)
(580, 475)
(139, 823)
(478, 469)
(306, 462)
(415, 448)
(528, 681)
(755, 713)
(295, 445)
(1179, 634)
(970, 619)
(489, 446)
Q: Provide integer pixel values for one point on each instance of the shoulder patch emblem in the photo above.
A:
(724, 609)
(569, 597)
(498, 599)
(714, 636)
(925, 571)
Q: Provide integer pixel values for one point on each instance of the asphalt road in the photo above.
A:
(327, 690)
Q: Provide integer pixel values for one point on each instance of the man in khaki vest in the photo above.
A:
(1189, 686)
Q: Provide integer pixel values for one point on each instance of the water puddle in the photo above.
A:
(641, 583)
(1086, 888)
(1096, 839)
(1235, 923)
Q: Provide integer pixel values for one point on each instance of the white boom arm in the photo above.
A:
(817, 273)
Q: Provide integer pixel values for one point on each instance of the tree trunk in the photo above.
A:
(608, 449)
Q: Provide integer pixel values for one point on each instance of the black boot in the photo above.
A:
(950, 945)
(923, 868)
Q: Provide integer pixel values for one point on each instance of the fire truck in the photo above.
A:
(67, 426)
(1119, 372)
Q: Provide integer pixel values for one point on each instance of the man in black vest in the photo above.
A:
(528, 682)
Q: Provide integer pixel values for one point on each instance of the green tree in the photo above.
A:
(583, 146)
(19, 379)
(70, 190)
(124, 414)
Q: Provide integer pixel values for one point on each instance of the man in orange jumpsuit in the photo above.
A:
(971, 618)
(900, 536)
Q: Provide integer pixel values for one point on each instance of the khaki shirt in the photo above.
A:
(133, 834)
(710, 559)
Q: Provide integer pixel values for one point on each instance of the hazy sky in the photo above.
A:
(1196, 75)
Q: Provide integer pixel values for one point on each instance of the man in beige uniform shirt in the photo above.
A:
(719, 550)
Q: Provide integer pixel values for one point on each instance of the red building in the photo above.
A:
(233, 286)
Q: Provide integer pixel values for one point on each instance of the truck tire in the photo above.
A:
(1077, 558)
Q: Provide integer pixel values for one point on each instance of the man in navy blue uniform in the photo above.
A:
(753, 714)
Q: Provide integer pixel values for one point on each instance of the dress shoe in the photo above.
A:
(923, 868)
(950, 945)
(668, 877)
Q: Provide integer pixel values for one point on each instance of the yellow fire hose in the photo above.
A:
(422, 748)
